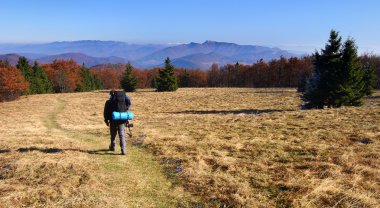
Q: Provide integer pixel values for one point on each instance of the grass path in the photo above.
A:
(133, 180)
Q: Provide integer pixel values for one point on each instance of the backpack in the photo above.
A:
(119, 102)
(120, 107)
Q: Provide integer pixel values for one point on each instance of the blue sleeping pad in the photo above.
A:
(120, 116)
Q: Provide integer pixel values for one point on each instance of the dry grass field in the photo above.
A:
(191, 148)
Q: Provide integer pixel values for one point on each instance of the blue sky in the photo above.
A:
(301, 25)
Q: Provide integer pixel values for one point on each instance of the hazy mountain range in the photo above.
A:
(192, 55)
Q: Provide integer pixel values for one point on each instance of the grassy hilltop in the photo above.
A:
(191, 148)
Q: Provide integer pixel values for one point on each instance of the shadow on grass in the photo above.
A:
(225, 112)
(57, 150)
(4, 151)
(101, 152)
(46, 150)
(274, 92)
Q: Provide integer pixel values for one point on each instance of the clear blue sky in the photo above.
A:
(289, 24)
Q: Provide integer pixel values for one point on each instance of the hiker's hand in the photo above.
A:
(107, 123)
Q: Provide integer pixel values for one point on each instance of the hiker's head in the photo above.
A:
(112, 93)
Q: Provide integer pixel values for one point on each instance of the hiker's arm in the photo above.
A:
(105, 113)
(128, 102)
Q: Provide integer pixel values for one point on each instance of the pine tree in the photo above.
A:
(318, 87)
(88, 81)
(40, 83)
(167, 80)
(128, 82)
(26, 71)
(349, 80)
(370, 78)
(301, 87)
(24, 67)
(98, 82)
(235, 75)
(339, 78)
(153, 82)
(185, 79)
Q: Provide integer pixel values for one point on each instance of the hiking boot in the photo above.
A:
(123, 152)
(111, 148)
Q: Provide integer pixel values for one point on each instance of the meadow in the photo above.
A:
(204, 147)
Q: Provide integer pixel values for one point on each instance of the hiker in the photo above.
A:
(118, 101)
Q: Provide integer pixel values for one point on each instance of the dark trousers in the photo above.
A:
(118, 128)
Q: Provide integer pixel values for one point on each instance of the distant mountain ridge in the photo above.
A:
(95, 48)
(81, 58)
(192, 55)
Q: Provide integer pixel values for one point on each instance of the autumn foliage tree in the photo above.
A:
(12, 83)
(65, 75)
(109, 77)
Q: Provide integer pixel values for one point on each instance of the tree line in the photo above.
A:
(58, 77)
(68, 76)
(282, 72)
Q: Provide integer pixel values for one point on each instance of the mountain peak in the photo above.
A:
(209, 42)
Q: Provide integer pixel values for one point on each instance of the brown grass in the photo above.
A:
(240, 147)
(255, 148)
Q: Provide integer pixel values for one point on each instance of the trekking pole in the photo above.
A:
(128, 125)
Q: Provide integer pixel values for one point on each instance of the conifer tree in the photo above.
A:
(318, 86)
(88, 82)
(40, 83)
(128, 82)
(24, 67)
(349, 80)
(26, 71)
(301, 87)
(370, 78)
(338, 78)
(185, 79)
(167, 80)
(153, 82)
(98, 82)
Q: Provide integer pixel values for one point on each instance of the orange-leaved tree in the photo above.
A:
(65, 75)
(12, 83)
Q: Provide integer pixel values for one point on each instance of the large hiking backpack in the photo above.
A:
(120, 107)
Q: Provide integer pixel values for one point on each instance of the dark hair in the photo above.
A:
(112, 92)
